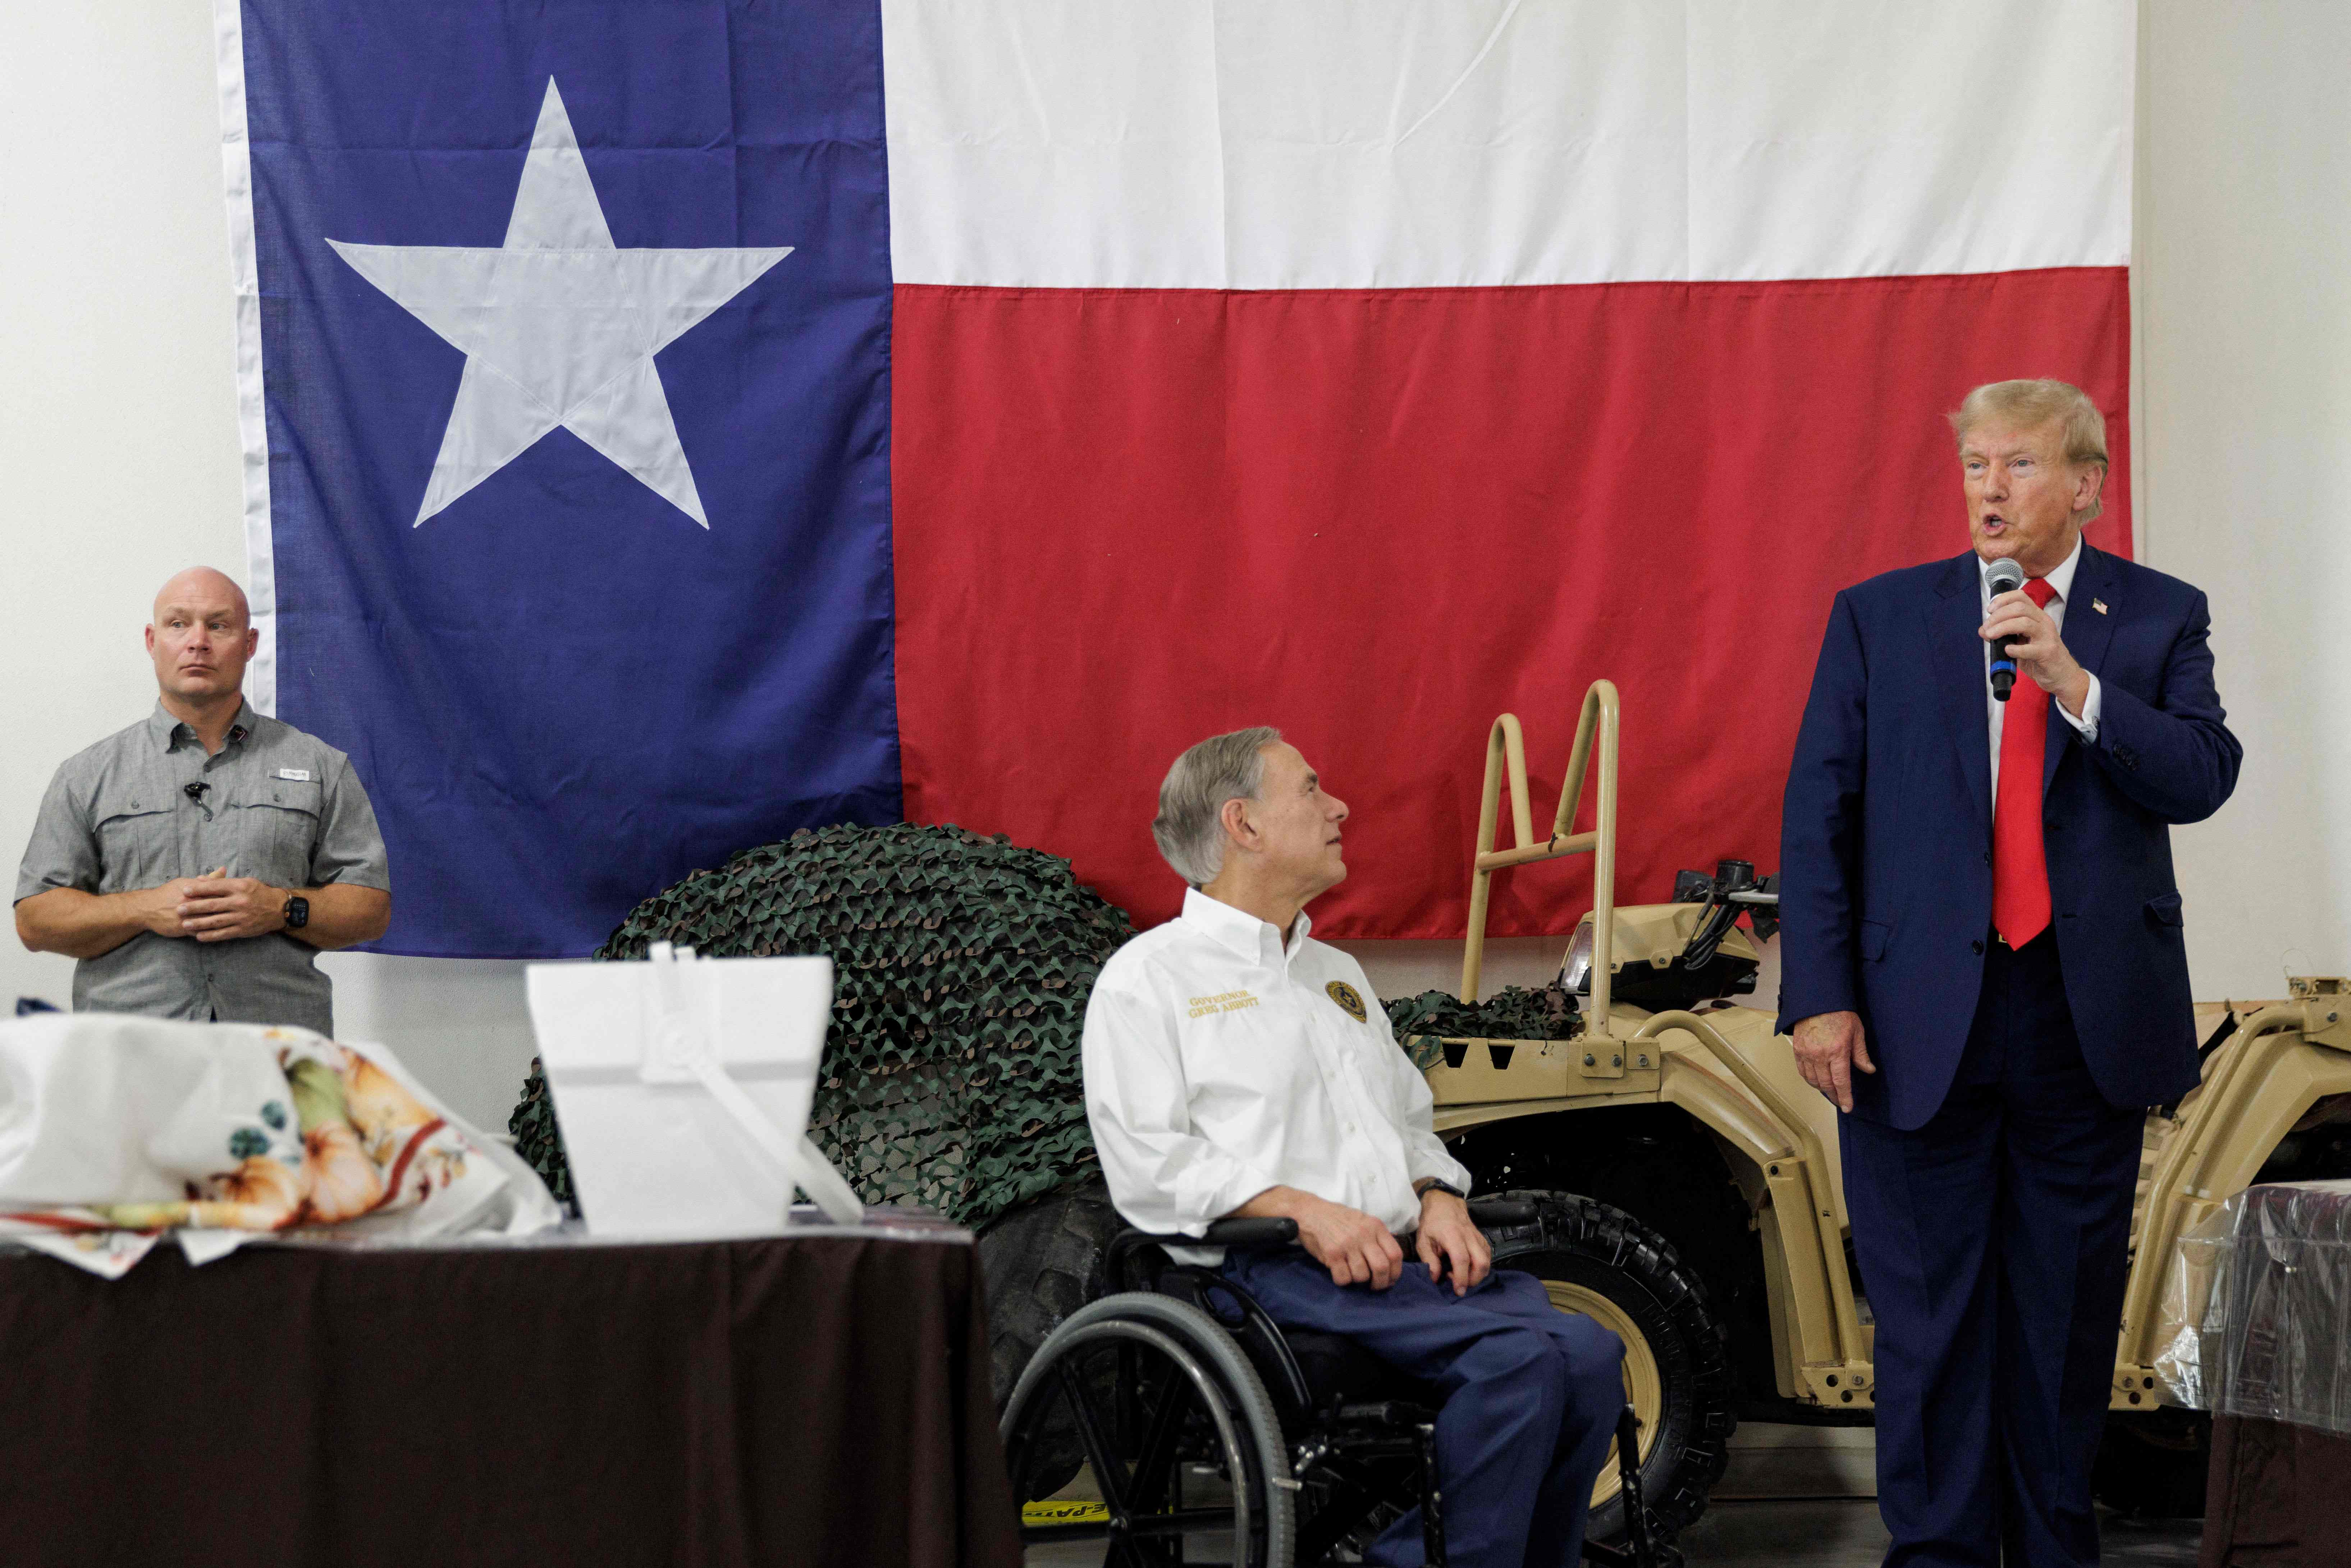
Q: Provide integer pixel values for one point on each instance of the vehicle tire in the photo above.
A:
(1039, 1263)
(1605, 1263)
(2154, 1466)
(1155, 1348)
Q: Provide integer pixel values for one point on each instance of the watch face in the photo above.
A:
(297, 912)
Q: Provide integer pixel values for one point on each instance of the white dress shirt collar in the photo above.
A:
(2060, 580)
(1242, 932)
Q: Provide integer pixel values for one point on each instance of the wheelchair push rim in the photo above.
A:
(1149, 1412)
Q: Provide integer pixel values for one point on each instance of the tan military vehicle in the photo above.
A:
(1700, 1207)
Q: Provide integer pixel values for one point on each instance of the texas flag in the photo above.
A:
(671, 424)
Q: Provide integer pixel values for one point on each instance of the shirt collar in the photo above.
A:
(1239, 930)
(2060, 582)
(165, 729)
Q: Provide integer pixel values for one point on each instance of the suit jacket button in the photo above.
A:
(1977, 948)
(1987, 857)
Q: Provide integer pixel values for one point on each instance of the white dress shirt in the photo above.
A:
(1219, 1062)
(2062, 581)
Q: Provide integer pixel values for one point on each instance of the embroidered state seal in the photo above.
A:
(1349, 1001)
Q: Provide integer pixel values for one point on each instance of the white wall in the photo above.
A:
(118, 443)
(2245, 303)
(117, 422)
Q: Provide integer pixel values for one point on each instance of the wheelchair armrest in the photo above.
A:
(1497, 1213)
(1249, 1233)
(1119, 1261)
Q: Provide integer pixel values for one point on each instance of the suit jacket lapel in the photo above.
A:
(2088, 630)
(1957, 654)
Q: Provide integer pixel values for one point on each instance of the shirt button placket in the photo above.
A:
(192, 842)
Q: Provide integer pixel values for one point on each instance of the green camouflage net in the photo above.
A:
(961, 970)
(1424, 1022)
(539, 1141)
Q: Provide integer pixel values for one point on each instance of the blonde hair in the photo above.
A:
(2031, 403)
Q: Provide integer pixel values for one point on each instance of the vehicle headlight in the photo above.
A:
(1575, 975)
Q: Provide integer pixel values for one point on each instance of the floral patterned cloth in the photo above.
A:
(115, 1130)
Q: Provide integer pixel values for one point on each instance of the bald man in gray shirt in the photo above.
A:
(195, 863)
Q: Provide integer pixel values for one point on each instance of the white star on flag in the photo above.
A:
(559, 327)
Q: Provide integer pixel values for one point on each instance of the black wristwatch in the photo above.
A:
(297, 912)
(1444, 1186)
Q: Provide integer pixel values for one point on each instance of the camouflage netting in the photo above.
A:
(962, 966)
(539, 1142)
(1514, 1012)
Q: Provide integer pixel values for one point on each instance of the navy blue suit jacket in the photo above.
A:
(1886, 841)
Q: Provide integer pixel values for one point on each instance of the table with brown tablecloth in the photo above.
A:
(805, 1399)
(2279, 1496)
(2259, 1290)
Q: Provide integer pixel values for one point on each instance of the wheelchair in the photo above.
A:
(1210, 1428)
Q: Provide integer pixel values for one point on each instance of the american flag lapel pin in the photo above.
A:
(2099, 605)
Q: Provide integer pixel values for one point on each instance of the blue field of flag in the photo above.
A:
(575, 330)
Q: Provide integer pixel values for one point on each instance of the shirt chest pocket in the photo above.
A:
(1347, 1048)
(137, 842)
(276, 828)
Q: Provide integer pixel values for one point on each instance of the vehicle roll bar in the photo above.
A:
(1506, 748)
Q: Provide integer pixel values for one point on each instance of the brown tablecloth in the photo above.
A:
(804, 1400)
(2279, 1496)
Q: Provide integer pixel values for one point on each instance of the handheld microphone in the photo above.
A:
(2005, 577)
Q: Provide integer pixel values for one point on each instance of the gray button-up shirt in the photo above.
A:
(276, 805)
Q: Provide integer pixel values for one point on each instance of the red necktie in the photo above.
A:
(2020, 861)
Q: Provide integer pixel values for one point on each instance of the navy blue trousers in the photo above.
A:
(1531, 1397)
(1993, 1245)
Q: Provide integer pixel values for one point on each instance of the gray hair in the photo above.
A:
(1190, 828)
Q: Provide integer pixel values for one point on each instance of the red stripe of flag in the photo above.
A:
(1127, 520)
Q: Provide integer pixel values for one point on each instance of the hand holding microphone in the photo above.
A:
(2024, 638)
(2005, 577)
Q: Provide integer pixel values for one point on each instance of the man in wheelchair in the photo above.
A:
(1237, 1068)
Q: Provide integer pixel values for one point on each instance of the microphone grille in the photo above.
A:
(2005, 577)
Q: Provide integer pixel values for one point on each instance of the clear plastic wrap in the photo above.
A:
(2257, 1308)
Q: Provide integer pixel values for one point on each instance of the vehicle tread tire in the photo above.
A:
(1039, 1263)
(1691, 1345)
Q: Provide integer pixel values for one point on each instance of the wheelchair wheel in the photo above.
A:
(1608, 1265)
(1188, 1456)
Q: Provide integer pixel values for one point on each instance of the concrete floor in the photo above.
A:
(1836, 1532)
(1846, 1532)
(1797, 1497)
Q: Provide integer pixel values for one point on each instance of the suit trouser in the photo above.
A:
(1531, 1397)
(1993, 1246)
